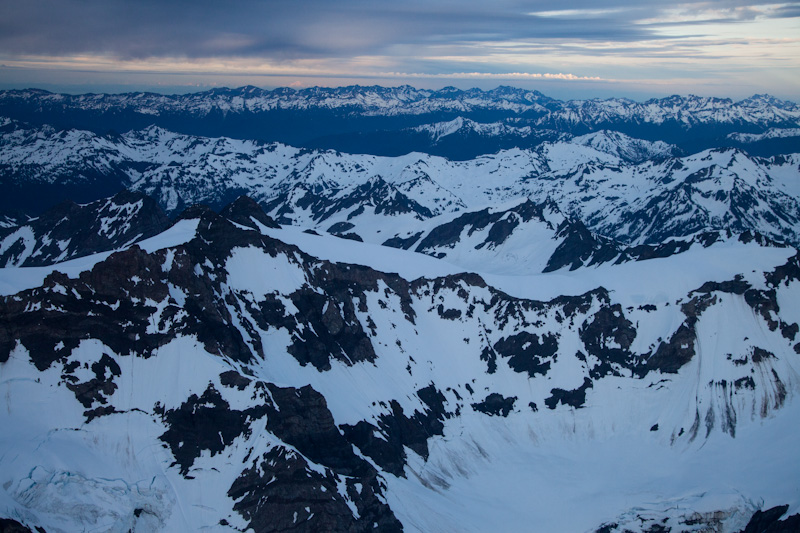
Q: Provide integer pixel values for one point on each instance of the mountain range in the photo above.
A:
(386, 120)
(581, 331)
(621, 188)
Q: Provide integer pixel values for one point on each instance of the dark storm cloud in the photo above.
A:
(788, 11)
(308, 28)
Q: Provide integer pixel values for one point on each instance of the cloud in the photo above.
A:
(525, 76)
(433, 39)
(280, 30)
(788, 11)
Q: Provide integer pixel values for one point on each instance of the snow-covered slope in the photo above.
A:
(624, 147)
(463, 126)
(57, 156)
(216, 377)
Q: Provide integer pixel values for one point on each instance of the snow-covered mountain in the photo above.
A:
(461, 131)
(626, 148)
(590, 179)
(521, 239)
(758, 109)
(461, 125)
(377, 120)
(229, 374)
(579, 322)
(772, 133)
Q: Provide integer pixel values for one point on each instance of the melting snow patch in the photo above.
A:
(182, 232)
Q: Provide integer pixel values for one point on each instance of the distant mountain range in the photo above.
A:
(385, 121)
(629, 190)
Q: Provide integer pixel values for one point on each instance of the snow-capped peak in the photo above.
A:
(625, 147)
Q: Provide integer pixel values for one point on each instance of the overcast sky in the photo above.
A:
(565, 49)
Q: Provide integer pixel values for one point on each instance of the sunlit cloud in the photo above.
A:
(693, 13)
(494, 76)
(259, 68)
(577, 13)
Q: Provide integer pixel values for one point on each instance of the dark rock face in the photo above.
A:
(675, 246)
(609, 336)
(341, 227)
(447, 235)
(672, 355)
(495, 405)
(351, 236)
(403, 243)
(279, 488)
(245, 211)
(233, 379)
(397, 430)
(329, 329)
(574, 398)
(69, 230)
(94, 310)
(97, 389)
(526, 352)
(8, 525)
(279, 492)
(300, 417)
(735, 286)
(783, 274)
(769, 521)
(580, 247)
(501, 224)
(204, 423)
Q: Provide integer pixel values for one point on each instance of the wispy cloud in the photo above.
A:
(526, 76)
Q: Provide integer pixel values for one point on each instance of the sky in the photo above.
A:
(570, 49)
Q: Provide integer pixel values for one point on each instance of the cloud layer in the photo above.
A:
(601, 39)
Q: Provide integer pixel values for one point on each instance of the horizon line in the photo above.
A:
(210, 89)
